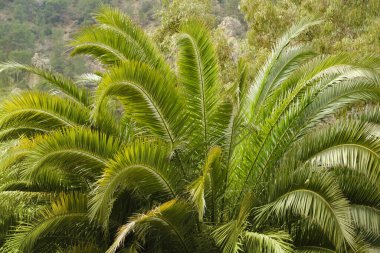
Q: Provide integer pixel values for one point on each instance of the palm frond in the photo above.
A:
(310, 193)
(65, 216)
(262, 85)
(357, 187)
(115, 38)
(314, 249)
(269, 242)
(349, 144)
(172, 219)
(198, 188)
(150, 98)
(81, 151)
(18, 206)
(366, 218)
(57, 81)
(198, 74)
(142, 166)
(36, 112)
(87, 247)
(229, 236)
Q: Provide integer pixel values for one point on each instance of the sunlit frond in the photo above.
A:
(199, 77)
(173, 221)
(142, 166)
(81, 151)
(55, 80)
(148, 97)
(269, 242)
(36, 112)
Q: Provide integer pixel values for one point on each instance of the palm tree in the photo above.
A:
(168, 159)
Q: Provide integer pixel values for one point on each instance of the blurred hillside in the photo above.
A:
(37, 31)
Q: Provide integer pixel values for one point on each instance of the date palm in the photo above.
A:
(169, 159)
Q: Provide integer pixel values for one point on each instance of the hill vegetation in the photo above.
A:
(37, 31)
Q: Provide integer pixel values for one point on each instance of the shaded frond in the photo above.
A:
(269, 242)
(314, 194)
(66, 216)
(199, 187)
(367, 219)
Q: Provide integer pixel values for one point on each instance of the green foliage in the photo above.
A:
(160, 159)
(349, 26)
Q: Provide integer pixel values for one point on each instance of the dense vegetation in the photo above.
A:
(158, 154)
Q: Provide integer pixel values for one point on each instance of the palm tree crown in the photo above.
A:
(159, 158)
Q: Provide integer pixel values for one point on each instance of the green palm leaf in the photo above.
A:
(202, 184)
(36, 112)
(172, 219)
(148, 97)
(57, 81)
(142, 166)
(263, 83)
(198, 74)
(314, 194)
(115, 38)
(79, 150)
(66, 215)
(269, 242)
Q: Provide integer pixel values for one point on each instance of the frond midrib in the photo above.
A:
(78, 151)
(202, 86)
(321, 198)
(53, 115)
(148, 168)
(148, 97)
(116, 53)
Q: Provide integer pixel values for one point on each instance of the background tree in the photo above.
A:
(349, 26)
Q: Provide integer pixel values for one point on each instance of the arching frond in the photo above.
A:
(366, 218)
(37, 112)
(142, 166)
(198, 74)
(148, 97)
(173, 221)
(115, 38)
(269, 242)
(314, 194)
(66, 216)
(81, 151)
(358, 189)
(57, 81)
(343, 144)
(262, 85)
